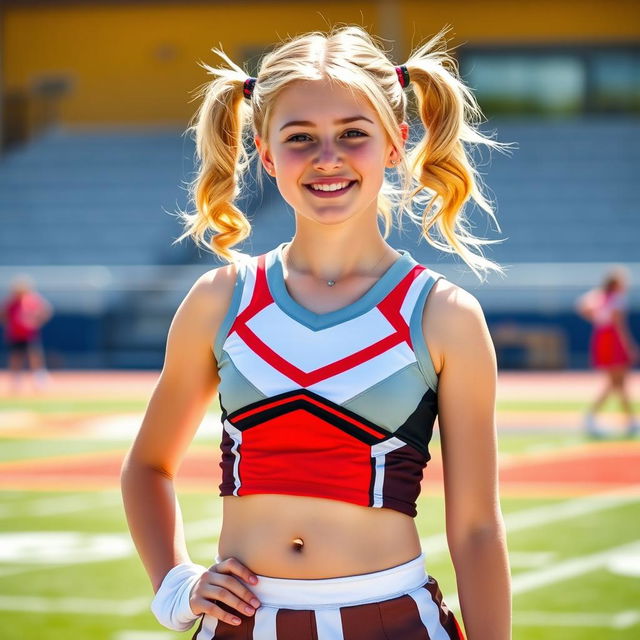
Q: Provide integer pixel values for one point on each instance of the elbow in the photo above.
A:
(134, 471)
(479, 534)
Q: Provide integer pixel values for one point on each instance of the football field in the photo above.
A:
(68, 568)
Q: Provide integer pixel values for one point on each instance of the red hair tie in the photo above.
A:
(247, 90)
(403, 76)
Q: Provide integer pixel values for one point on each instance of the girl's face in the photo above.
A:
(327, 150)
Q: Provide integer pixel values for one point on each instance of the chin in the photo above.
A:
(329, 217)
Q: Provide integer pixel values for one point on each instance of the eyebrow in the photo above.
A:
(307, 123)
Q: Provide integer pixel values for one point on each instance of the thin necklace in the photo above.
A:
(332, 282)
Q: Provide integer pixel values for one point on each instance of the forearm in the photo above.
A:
(626, 336)
(484, 585)
(154, 519)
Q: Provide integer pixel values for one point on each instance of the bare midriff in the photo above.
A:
(285, 536)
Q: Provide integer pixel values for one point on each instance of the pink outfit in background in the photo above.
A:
(606, 347)
(23, 314)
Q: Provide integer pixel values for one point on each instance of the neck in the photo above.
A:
(337, 259)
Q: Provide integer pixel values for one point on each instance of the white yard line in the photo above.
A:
(89, 606)
(571, 568)
(538, 516)
(57, 505)
(200, 530)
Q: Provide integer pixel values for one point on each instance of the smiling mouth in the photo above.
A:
(322, 193)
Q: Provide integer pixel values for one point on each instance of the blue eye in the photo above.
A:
(302, 135)
(298, 135)
(360, 133)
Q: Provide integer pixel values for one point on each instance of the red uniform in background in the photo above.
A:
(24, 314)
(607, 348)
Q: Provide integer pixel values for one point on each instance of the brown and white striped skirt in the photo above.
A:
(400, 603)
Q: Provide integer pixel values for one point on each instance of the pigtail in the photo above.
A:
(222, 162)
(438, 163)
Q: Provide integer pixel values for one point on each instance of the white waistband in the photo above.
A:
(343, 591)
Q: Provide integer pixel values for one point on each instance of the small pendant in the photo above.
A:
(331, 282)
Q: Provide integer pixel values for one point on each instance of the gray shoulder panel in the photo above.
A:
(417, 336)
(231, 313)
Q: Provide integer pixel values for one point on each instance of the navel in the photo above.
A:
(298, 543)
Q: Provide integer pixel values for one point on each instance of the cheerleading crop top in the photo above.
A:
(337, 405)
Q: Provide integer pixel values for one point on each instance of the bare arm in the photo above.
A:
(187, 383)
(179, 401)
(46, 312)
(619, 318)
(584, 305)
(466, 408)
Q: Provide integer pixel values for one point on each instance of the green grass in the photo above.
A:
(89, 406)
(121, 579)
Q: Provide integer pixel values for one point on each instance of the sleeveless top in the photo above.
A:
(337, 405)
(606, 304)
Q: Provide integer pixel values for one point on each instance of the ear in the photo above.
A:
(395, 154)
(265, 156)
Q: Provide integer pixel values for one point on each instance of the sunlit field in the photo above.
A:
(69, 570)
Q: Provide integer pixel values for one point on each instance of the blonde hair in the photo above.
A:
(435, 175)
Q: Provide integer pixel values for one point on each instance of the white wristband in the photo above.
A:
(171, 603)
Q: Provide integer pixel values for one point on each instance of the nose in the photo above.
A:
(328, 157)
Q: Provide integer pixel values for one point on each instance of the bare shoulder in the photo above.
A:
(198, 318)
(211, 293)
(449, 313)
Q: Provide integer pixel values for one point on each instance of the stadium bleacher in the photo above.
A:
(91, 215)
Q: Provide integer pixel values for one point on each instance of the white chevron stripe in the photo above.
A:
(265, 623)
(329, 624)
(338, 388)
(344, 386)
(410, 299)
(256, 370)
(249, 284)
(308, 349)
(429, 614)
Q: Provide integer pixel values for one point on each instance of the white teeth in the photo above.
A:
(330, 187)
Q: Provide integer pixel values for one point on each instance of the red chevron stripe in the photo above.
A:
(389, 307)
(306, 398)
(260, 298)
(308, 378)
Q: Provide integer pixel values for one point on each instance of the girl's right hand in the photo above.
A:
(219, 584)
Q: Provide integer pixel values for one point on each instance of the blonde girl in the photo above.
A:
(331, 354)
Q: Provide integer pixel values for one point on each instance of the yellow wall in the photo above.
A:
(138, 63)
(525, 21)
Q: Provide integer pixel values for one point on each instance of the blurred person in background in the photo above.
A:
(326, 383)
(23, 314)
(612, 348)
